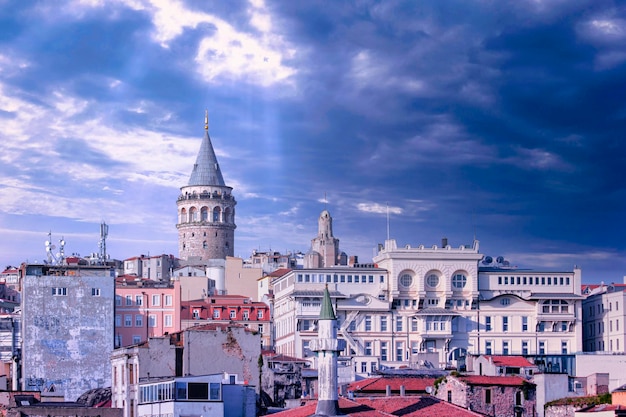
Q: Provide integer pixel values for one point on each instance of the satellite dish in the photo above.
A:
(487, 260)
(429, 390)
(500, 259)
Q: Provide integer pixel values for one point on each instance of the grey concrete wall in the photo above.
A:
(67, 339)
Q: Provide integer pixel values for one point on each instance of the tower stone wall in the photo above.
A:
(206, 210)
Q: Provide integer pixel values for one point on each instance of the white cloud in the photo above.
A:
(378, 208)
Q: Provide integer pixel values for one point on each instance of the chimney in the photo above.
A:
(388, 390)
(444, 242)
(402, 390)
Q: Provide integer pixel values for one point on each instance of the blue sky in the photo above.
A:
(500, 120)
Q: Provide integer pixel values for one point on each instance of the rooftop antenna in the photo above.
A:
(104, 232)
(325, 201)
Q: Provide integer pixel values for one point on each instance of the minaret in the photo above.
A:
(327, 347)
(325, 243)
(206, 209)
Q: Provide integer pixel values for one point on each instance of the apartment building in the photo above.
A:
(145, 308)
(604, 318)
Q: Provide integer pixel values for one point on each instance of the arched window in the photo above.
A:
(406, 280)
(227, 218)
(183, 215)
(432, 280)
(459, 281)
(193, 214)
(204, 214)
(216, 214)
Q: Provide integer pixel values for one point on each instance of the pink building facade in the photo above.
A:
(145, 308)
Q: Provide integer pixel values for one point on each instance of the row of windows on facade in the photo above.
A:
(438, 323)
(62, 291)
(130, 265)
(203, 216)
(338, 278)
(152, 320)
(537, 281)
(599, 345)
(156, 300)
(600, 327)
(233, 314)
(459, 280)
(180, 391)
(402, 354)
(205, 244)
(600, 308)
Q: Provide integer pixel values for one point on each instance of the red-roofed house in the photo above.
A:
(496, 365)
(422, 406)
(489, 395)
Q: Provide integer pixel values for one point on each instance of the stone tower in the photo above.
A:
(325, 244)
(206, 209)
(327, 347)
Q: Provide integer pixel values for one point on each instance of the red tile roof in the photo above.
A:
(513, 361)
(493, 380)
(271, 356)
(370, 385)
(422, 406)
(278, 273)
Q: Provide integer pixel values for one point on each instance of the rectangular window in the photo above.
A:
(152, 320)
(363, 367)
(216, 314)
(168, 300)
(139, 300)
(129, 300)
(413, 324)
(399, 351)
(233, 314)
(246, 315)
(59, 291)
(564, 347)
(487, 323)
(524, 347)
(370, 279)
(138, 320)
(542, 347)
(260, 327)
(136, 339)
(168, 320)
(563, 326)
(383, 351)
(524, 323)
(488, 396)
(95, 292)
(259, 314)
(368, 348)
(505, 347)
(156, 300)
(383, 323)
(398, 324)
(349, 278)
(488, 347)
(342, 278)
(118, 300)
(368, 323)
(128, 320)
(500, 280)
(505, 324)
(118, 321)
(414, 347)
(382, 279)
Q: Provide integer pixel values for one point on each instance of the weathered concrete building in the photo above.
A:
(199, 350)
(67, 328)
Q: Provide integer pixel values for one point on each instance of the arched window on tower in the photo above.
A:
(204, 214)
(183, 216)
(227, 218)
(204, 245)
(216, 214)
(193, 214)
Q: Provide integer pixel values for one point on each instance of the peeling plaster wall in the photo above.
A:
(67, 339)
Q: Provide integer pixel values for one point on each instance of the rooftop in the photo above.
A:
(512, 361)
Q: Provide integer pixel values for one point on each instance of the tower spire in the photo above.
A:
(206, 119)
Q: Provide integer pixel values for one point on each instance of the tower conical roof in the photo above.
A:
(327, 312)
(206, 170)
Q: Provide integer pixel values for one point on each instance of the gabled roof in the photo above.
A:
(273, 357)
(379, 384)
(512, 381)
(512, 361)
(206, 170)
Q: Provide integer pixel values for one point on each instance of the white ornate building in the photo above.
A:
(422, 303)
